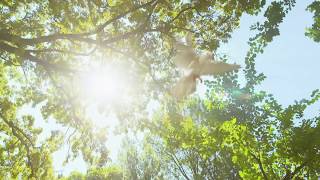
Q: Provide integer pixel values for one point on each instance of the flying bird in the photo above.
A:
(185, 86)
(194, 66)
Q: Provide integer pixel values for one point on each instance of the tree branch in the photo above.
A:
(32, 41)
(60, 51)
(140, 29)
(101, 27)
(260, 166)
(175, 160)
(299, 168)
(4, 35)
(180, 13)
(26, 56)
(290, 175)
(24, 143)
(9, 123)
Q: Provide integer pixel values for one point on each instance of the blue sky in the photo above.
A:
(291, 63)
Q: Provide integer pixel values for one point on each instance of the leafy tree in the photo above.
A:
(105, 173)
(45, 42)
(238, 132)
(45, 45)
(139, 160)
(230, 137)
(74, 176)
(313, 32)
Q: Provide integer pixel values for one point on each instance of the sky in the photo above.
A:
(291, 63)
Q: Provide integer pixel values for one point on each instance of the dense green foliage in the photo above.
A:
(313, 32)
(111, 172)
(233, 132)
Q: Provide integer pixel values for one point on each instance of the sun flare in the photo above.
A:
(103, 84)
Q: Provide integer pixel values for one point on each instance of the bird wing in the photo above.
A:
(185, 53)
(205, 57)
(188, 39)
(184, 87)
(184, 56)
(215, 68)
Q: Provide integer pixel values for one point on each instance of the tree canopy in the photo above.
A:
(234, 131)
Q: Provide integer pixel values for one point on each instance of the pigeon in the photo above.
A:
(194, 66)
(185, 86)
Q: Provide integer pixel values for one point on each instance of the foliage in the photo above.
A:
(45, 45)
(140, 161)
(105, 173)
(314, 31)
(216, 138)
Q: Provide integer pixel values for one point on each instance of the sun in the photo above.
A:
(103, 84)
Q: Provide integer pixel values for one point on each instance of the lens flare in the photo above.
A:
(103, 84)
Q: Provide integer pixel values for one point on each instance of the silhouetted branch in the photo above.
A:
(260, 165)
(27, 56)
